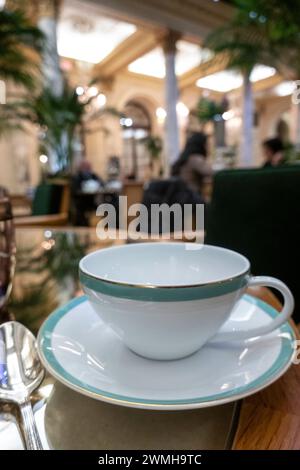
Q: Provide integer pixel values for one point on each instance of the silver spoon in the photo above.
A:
(21, 373)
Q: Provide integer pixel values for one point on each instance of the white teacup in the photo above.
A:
(166, 300)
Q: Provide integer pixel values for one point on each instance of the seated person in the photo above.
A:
(273, 152)
(192, 167)
(83, 175)
(85, 184)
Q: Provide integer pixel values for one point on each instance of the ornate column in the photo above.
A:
(47, 14)
(171, 97)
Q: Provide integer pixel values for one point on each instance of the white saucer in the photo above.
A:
(84, 354)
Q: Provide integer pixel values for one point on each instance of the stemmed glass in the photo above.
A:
(7, 251)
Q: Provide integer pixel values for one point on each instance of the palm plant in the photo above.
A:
(209, 110)
(52, 271)
(260, 33)
(241, 42)
(20, 45)
(59, 118)
(19, 41)
(284, 42)
(154, 145)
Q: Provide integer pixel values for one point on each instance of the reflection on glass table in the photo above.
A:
(47, 277)
(47, 271)
(7, 252)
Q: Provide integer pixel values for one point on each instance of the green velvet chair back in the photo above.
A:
(47, 199)
(257, 213)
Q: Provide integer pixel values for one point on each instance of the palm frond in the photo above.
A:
(243, 48)
(59, 117)
(20, 45)
(260, 32)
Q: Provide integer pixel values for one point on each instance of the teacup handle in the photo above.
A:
(286, 312)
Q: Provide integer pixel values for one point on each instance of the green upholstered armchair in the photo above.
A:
(257, 213)
(50, 206)
(47, 199)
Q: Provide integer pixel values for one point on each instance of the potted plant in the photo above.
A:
(154, 146)
(209, 110)
(60, 119)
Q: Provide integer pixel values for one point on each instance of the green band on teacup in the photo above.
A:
(163, 294)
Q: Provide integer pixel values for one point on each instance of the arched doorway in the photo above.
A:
(136, 127)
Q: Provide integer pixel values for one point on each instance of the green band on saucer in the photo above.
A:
(50, 360)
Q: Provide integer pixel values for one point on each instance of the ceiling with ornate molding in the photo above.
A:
(86, 36)
(100, 34)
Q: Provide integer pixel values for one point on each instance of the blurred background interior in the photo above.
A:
(99, 98)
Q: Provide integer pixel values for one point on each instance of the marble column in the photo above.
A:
(247, 157)
(47, 13)
(171, 97)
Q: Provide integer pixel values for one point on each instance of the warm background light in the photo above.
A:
(43, 159)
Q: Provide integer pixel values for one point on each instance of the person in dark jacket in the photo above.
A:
(187, 176)
(84, 201)
(84, 174)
